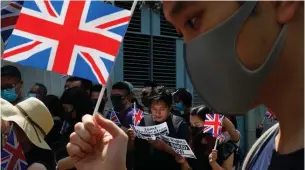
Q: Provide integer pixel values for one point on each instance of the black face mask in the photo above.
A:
(196, 130)
(117, 103)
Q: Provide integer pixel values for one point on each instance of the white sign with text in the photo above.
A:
(151, 132)
(180, 146)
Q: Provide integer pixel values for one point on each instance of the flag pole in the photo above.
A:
(215, 146)
(98, 103)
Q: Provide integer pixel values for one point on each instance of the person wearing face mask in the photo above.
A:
(31, 121)
(121, 104)
(11, 84)
(76, 103)
(95, 93)
(38, 90)
(157, 154)
(132, 97)
(235, 65)
(123, 110)
(183, 102)
(203, 143)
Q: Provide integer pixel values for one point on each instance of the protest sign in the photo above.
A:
(151, 132)
(180, 146)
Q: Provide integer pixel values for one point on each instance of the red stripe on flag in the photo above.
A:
(8, 21)
(20, 50)
(112, 23)
(49, 8)
(95, 67)
(15, 6)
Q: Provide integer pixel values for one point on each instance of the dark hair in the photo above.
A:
(79, 99)
(54, 105)
(97, 88)
(42, 90)
(10, 71)
(121, 86)
(184, 96)
(200, 111)
(162, 94)
(86, 84)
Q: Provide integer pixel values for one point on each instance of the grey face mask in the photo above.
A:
(221, 80)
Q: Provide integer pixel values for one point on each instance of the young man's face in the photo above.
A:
(159, 110)
(253, 43)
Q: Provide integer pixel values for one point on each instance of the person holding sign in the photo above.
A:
(152, 155)
(203, 144)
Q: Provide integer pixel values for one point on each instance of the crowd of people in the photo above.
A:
(160, 104)
(238, 55)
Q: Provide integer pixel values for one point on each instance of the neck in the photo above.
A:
(285, 96)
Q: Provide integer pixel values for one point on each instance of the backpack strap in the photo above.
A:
(177, 122)
(258, 147)
(148, 121)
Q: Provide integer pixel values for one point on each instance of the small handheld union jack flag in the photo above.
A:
(114, 118)
(212, 124)
(137, 117)
(78, 38)
(12, 157)
(269, 114)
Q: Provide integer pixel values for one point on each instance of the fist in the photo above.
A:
(131, 134)
(213, 156)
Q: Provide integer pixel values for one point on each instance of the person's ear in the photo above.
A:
(286, 10)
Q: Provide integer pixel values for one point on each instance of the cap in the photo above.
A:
(131, 89)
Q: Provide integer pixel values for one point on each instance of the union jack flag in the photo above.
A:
(212, 124)
(269, 114)
(79, 38)
(9, 14)
(114, 118)
(12, 157)
(137, 117)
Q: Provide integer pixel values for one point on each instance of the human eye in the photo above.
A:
(194, 22)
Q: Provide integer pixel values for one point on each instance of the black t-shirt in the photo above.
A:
(292, 161)
(149, 158)
(202, 151)
(42, 156)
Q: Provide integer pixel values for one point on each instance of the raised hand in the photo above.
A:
(98, 144)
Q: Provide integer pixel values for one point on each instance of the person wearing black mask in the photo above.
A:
(123, 111)
(95, 93)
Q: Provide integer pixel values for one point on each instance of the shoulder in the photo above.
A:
(260, 142)
(178, 120)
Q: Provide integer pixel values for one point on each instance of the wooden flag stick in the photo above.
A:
(215, 146)
(98, 103)
(99, 100)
